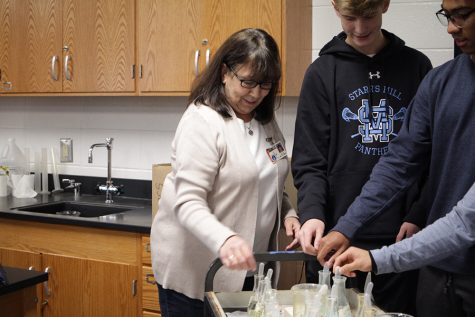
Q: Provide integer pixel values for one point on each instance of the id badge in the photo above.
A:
(276, 152)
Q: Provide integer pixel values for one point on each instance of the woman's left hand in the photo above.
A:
(236, 254)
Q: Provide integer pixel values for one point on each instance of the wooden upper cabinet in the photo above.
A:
(177, 38)
(81, 46)
(99, 44)
(224, 17)
(168, 35)
(30, 46)
(90, 47)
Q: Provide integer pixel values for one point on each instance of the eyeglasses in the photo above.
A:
(247, 83)
(457, 18)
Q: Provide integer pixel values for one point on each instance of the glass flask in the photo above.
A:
(339, 293)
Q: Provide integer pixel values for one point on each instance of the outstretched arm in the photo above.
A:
(447, 236)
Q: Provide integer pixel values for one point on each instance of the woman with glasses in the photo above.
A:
(225, 194)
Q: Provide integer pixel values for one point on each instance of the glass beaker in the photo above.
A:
(300, 292)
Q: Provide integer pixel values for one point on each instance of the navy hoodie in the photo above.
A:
(350, 107)
(438, 134)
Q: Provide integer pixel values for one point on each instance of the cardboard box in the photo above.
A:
(159, 172)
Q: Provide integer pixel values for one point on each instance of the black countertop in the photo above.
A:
(17, 279)
(138, 218)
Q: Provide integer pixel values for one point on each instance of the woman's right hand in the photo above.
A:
(236, 254)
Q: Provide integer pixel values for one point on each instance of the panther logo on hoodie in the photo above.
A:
(376, 123)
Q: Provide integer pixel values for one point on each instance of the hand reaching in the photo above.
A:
(292, 228)
(236, 254)
(407, 230)
(309, 236)
(331, 246)
(353, 259)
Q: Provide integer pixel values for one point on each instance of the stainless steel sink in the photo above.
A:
(74, 209)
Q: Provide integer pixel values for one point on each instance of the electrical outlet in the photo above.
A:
(66, 150)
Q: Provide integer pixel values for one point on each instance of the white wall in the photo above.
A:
(143, 127)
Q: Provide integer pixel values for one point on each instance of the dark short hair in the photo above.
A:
(248, 46)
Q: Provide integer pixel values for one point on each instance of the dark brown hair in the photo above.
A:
(254, 47)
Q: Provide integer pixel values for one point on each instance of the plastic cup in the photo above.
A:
(299, 292)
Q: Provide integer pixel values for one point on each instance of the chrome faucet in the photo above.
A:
(74, 186)
(108, 188)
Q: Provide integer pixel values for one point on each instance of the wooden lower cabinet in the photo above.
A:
(27, 302)
(95, 288)
(21, 303)
(149, 290)
(150, 305)
(92, 272)
(150, 314)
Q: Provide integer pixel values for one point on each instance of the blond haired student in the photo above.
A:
(353, 101)
(437, 136)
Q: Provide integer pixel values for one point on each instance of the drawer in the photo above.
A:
(149, 290)
(146, 258)
(150, 314)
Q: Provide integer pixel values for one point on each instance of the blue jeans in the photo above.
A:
(174, 304)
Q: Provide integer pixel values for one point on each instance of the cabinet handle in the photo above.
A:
(54, 67)
(197, 59)
(147, 247)
(46, 289)
(67, 73)
(208, 55)
(134, 287)
(133, 71)
(150, 279)
(140, 71)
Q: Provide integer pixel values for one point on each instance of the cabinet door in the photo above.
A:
(84, 288)
(30, 46)
(31, 300)
(100, 42)
(168, 40)
(176, 38)
(20, 259)
(224, 17)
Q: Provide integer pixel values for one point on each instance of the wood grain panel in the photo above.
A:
(31, 36)
(101, 40)
(297, 39)
(31, 298)
(6, 20)
(149, 291)
(168, 38)
(83, 287)
(225, 17)
(99, 244)
(21, 303)
(146, 256)
(151, 314)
